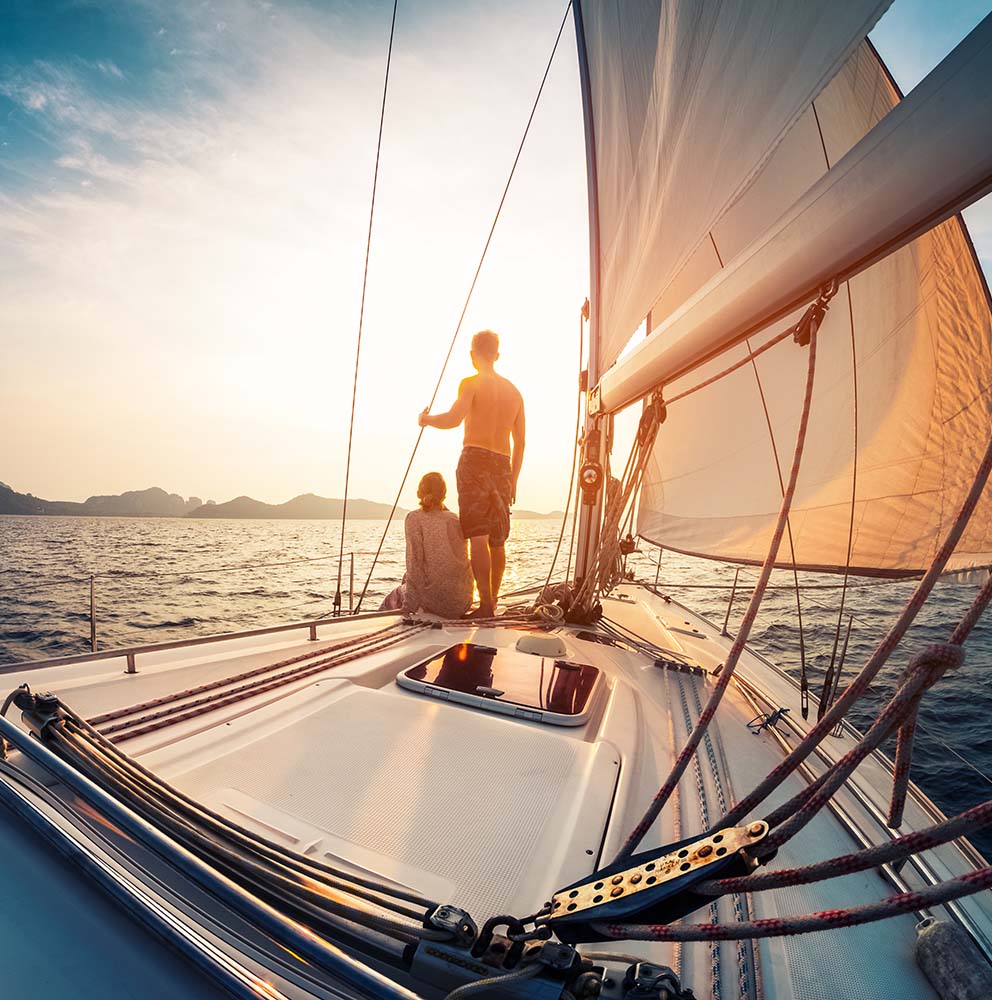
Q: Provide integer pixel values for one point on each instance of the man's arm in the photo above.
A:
(454, 416)
(518, 432)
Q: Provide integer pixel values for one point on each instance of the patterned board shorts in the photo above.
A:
(485, 486)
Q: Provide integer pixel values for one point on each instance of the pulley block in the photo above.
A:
(653, 887)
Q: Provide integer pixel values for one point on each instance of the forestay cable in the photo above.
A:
(361, 309)
(468, 299)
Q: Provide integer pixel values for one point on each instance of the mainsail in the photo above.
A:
(901, 412)
(687, 99)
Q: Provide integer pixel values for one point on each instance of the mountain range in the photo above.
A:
(156, 502)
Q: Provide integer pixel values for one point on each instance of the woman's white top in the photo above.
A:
(438, 575)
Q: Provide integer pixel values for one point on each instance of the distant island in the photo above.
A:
(156, 502)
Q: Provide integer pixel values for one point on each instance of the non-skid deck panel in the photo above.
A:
(499, 811)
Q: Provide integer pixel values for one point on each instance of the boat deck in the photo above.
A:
(494, 813)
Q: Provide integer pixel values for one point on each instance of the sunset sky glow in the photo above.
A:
(184, 193)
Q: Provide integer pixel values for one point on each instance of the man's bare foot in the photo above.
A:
(481, 612)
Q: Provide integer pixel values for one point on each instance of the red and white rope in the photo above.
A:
(682, 761)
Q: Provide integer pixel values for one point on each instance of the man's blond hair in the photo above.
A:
(486, 344)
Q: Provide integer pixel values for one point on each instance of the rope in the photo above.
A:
(274, 878)
(803, 679)
(905, 902)
(881, 654)
(121, 713)
(575, 459)
(493, 982)
(831, 683)
(657, 804)
(744, 979)
(361, 309)
(203, 706)
(857, 861)
(716, 984)
(227, 827)
(749, 357)
(924, 670)
(606, 567)
(907, 731)
(468, 299)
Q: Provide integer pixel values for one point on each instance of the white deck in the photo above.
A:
(494, 813)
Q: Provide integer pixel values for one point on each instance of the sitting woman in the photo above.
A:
(438, 576)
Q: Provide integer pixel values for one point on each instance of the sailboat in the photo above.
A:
(601, 793)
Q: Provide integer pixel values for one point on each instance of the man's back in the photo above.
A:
(495, 406)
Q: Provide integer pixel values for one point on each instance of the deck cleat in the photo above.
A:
(653, 887)
(455, 922)
(37, 710)
(647, 981)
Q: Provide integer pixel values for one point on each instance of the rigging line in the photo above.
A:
(571, 541)
(831, 682)
(803, 679)
(361, 309)
(468, 299)
(930, 734)
(737, 648)
(881, 654)
(750, 356)
(899, 849)
(914, 901)
(575, 458)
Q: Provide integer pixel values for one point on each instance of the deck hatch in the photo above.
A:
(508, 682)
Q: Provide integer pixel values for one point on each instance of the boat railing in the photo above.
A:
(130, 653)
(90, 580)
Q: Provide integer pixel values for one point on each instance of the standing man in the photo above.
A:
(493, 411)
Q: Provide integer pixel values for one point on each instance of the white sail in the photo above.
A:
(901, 410)
(687, 99)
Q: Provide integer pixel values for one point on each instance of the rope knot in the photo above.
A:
(934, 661)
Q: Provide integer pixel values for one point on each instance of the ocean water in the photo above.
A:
(157, 579)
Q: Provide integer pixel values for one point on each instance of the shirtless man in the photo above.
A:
(493, 411)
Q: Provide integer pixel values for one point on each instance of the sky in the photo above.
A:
(184, 197)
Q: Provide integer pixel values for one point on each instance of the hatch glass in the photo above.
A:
(545, 688)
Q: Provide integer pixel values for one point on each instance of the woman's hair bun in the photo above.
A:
(432, 491)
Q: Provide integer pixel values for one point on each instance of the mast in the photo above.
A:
(591, 506)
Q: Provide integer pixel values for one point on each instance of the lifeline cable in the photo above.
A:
(361, 310)
(468, 299)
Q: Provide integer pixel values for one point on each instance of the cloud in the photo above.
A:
(109, 69)
(185, 272)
